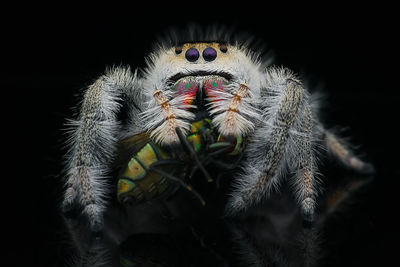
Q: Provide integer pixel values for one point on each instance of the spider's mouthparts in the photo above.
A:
(200, 92)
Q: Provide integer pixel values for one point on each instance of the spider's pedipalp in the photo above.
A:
(165, 116)
(229, 113)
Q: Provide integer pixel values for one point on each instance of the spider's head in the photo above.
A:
(201, 61)
(197, 80)
(230, 61)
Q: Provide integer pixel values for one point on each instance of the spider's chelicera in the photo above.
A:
(204, 98)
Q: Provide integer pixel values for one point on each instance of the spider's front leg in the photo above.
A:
(92, 144)
(282, 140)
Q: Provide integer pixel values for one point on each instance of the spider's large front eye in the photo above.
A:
(209, 54)
(192, 54)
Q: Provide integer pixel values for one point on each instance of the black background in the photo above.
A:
(53, 55)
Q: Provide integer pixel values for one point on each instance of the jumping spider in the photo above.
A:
(216, 79)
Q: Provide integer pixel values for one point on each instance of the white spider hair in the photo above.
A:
(243, 65)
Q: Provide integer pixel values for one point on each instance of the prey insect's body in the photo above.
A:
(151, 169)
(204, 98)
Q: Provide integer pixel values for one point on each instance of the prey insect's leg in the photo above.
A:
(189, 147)
(223, 147)
(92, 144)
(179, 181)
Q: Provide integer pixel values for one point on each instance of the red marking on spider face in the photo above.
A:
(188, 89)
(212, 88)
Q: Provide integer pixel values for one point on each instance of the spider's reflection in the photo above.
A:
(178, 233)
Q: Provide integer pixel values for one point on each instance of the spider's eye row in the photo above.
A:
(192, 54)
(208, 54)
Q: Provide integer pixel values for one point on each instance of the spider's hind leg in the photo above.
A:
(340, 150)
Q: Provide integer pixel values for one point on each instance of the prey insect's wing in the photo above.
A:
(147, 169)
(130, 146)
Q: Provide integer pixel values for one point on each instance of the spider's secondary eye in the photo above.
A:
(223, 48)
(209, 54)
(192, 54)
(178, 50)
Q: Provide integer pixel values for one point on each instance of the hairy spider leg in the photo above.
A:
(92, 144)
(264, 170)
(304, 173)
(341, 151)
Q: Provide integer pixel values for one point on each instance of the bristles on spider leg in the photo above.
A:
(342, 151)
(300, 154)
(92, 143)
(70, 195)
(251, 187)
(165, 117)
(92, 193)
(232, 111)
(264, 166)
